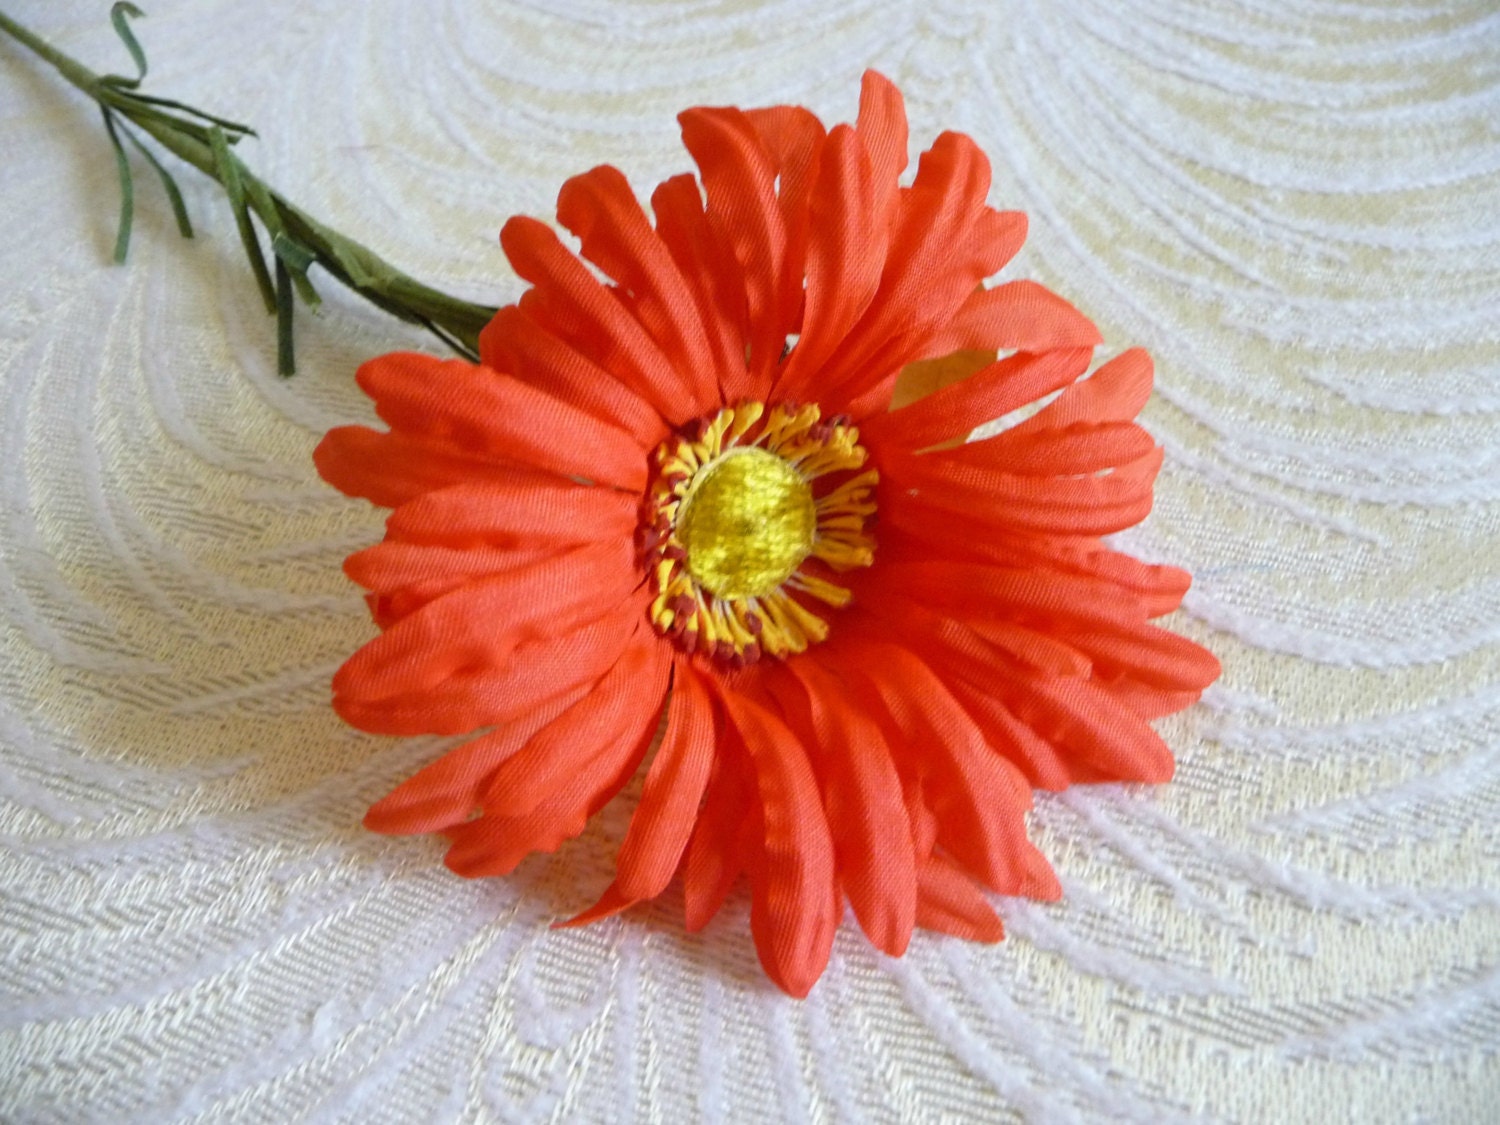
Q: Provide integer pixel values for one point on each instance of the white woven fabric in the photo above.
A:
(1294, 205)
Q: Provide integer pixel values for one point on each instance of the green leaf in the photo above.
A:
(232, 127)
(179, 208)
(286, 357)
(117, 16)
(297, 258)
(293, 253)
(286, 248)
(228, 166)
(127, 189)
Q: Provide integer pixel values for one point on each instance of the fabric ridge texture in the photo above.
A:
(1290, 209)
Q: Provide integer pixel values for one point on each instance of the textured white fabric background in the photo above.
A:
(1295, 204)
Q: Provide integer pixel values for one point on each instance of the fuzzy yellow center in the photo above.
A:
(754, 516)
(747, 524)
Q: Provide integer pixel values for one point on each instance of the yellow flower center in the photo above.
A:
(751, 517)
(747, 523)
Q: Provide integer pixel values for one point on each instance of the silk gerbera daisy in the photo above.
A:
(672, 514)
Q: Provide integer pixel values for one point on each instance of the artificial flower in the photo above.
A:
(673, 509)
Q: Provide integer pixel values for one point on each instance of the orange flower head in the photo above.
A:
(677, 509)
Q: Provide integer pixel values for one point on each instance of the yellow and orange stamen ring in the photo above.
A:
(737, 510)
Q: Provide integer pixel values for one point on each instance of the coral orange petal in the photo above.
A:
(1106, 737)
(739, 177)
(1044, 762)
(863, 800)
(521, 512)
(730, 811)
(614, 233)
(479, 410)
(390, 469)
(1151, 655)
(516, 344)
(675, 783)
(444, 794)
(793, 138)
(708, 264)
(1117, 392)
(992, 393)
(1019, 315)
(984, 647)
(944, 243)
(794, 910)
(1009, 592)
(1075, 451)
(979, 798)
(608, 904)
(949, 903)
(496, 845)
(1091, 506)
(1155, 589)
(584, 740)
(846, 255)
(484, 694)
(663, 822)
(483, 622)
(881, 125)
(572, 304)
(407, 576)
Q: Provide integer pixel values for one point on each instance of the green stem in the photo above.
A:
(356, 266)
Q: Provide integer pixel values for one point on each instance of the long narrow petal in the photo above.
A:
(674, 786)
(979, 796)
(1156, 589)
(664, 820)
(495, 843)
(1157, 657)
(730, 814)
(515, 343)
(793, 137)
(524, 511)
(990, 393)
(389, 469)
(1080, 449)
(404, 577)
(480, 625)
(1058, 730)
(976, 590)
(482, 412)
(923, 488)
(572, 304)
(584, 744)
(950, 903)
(1117, 392)
(1016, 316)
(863, 799)
(882, 127)
(601, 210)
(846, 256)
(739, 176)
(535, 673)
(446, 792)
(945, 241)
(1109, 741)
(793, 912)
(707, 261)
